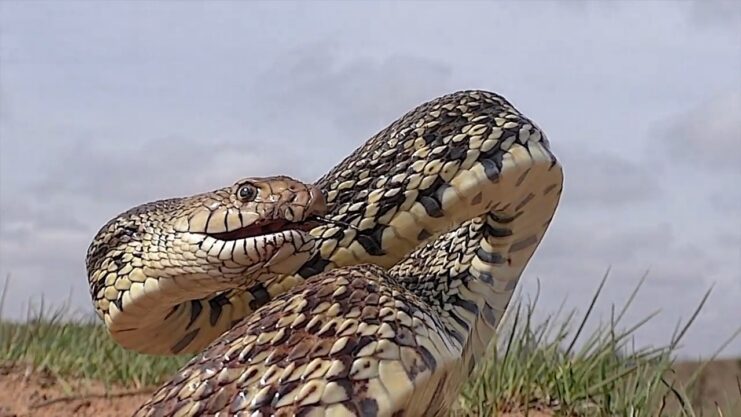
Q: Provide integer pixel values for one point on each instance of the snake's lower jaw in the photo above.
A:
(276, 253)
(290, 257)
(289, 265)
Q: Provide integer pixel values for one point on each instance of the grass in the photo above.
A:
(552, 365)
(538, 366)
(74, 346)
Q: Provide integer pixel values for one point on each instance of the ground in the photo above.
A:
(24, 393)
(27, 393)
(52, 366)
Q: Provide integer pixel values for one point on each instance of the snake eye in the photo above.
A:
(247, 192)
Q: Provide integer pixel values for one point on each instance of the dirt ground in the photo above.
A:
(24, 393)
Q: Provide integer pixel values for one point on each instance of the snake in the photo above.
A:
(373, 291)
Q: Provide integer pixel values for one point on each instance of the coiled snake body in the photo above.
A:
(382, 309)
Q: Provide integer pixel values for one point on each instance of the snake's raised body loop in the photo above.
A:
(386, 316)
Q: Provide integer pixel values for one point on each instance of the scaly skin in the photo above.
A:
(454, 198)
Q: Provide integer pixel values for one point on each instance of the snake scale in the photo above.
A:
(372, 292)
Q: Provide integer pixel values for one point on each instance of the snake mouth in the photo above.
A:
(266, 227)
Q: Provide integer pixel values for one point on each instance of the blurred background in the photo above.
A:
(106, 105)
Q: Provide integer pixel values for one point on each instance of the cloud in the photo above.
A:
(360, 96)
(727, 202)
(306, 102)
(91, 173)
(708, 135)
(116, 171)
(701, 13)
(45, 228)
(42, 252)
(711, 13)
(576, 254)
(601, 179)
(21, 219)
(578, 247)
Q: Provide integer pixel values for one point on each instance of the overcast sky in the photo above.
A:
(107, 105)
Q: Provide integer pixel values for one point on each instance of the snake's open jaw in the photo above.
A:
(267, 227)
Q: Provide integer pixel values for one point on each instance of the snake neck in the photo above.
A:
(435, 168)
(468, 275)
(486, 209)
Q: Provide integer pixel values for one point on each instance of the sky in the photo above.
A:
(106, 105)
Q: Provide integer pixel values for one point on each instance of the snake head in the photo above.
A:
(252, 208)
(254, 225)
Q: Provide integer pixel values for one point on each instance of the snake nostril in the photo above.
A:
(317, 204)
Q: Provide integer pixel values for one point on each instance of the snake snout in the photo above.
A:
(317, 203)
(303, 211)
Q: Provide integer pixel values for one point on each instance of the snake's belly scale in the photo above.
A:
(387, 317)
